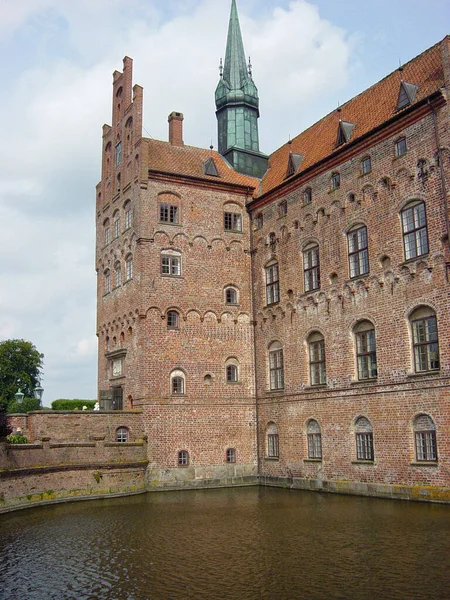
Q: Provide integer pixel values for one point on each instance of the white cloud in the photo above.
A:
(55, 109)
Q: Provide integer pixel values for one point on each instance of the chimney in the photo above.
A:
(176, 128)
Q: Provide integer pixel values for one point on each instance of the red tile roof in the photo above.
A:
(367, 111)
(188, 161)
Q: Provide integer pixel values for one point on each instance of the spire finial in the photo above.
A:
(250, 67)
(221, 68)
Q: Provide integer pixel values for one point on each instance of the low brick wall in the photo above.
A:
(72, 456)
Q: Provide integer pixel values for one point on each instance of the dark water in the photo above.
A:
(247, 544)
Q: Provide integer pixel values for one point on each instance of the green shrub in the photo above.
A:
(27, 405)
(17, 438)
(63, 404)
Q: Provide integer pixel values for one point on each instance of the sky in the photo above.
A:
(58, 57)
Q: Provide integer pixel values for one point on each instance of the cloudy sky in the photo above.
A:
(56, 71)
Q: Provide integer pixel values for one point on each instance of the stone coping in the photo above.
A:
(37, 470)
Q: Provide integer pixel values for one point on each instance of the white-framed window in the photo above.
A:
(272, 283)
(425, 339)
(173, 319)
(358, 251)
(276, 366)
(177, 383)
(311, 267)
(129, 267)
(169, 213)
(231, 295)
(183, 458)
(118, 274)
(116, 224)
(128, 215)
(316, 351)
(366, 350)
(122, 435)
(425, 441)
(232, 221)
(171, 263)
(230, 455)
(414, 228)
(314, 439)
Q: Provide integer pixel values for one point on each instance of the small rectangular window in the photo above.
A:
(366, 165)
(364, 446)
(170, 265)
(314, 445)
(272, 445)
(118, 154)
(272, 285)
(128, 218)
(168, 213)
(232, 221)
(282, 209)
(400, 147)
(311, 270)
(307, 196)
(358, 254)
(231, 455)
(335, 181)
(259, 221)
(426, 446)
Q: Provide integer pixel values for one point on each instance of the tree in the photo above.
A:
(20, 367)
(4, 427)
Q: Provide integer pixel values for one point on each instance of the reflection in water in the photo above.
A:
(252, 543)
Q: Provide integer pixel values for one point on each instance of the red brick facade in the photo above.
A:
(260, 317)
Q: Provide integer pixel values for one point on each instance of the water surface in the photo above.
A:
(247, 543)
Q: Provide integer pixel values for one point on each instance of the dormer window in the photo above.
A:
(345, 131)
(209, 168)
(406, 95)
(294, 162)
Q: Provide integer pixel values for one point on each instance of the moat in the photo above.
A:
(247, 543)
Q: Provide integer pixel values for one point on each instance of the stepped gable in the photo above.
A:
(367, 111)
(188, 161)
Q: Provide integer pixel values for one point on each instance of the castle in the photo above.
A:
(282, 317)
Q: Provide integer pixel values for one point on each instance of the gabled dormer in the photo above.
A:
(210, 168)
(406, 95)
(345, 130)
(294, 163)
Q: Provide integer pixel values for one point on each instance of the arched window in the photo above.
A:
(414, 227)
(425, 339)
(107, 281)
(273, 450)
(231, 295)
(183, 458)
(311, 268)
(335, 181)
(116, 224)
(425, 438)
(314, 437)
(272, 283)
(364, 439)
(232, 370)
(128, 214)
(177, 383)
(107, 232)
(231, 455)
(122, 435)
(171, 263)
(316, 349)
(366, 352)
(173, 319)
(358, 252)
(276, 366)
(129, 267)
(118, 273)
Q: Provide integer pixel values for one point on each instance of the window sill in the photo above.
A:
(363, 381)
(173, 329)
(358, 277)
(415, 258)
(272, 304)
(178, 395)
(420, 374)
(273, 458)
(233, 231)
(171, 224)
(234, 382)
(363, 462)
(230, 304)
(172, 276)
(274, 392)
(312, 460)
(425, 463)
(316, 387)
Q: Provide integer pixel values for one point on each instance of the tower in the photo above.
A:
(237, 105)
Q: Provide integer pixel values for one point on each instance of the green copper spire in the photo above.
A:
(237, 106)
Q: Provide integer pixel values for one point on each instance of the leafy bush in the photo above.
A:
(4, 428)
(17, 438)
(63, 404)
(27, 405)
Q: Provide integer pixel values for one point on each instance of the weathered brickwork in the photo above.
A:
(214, 370)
